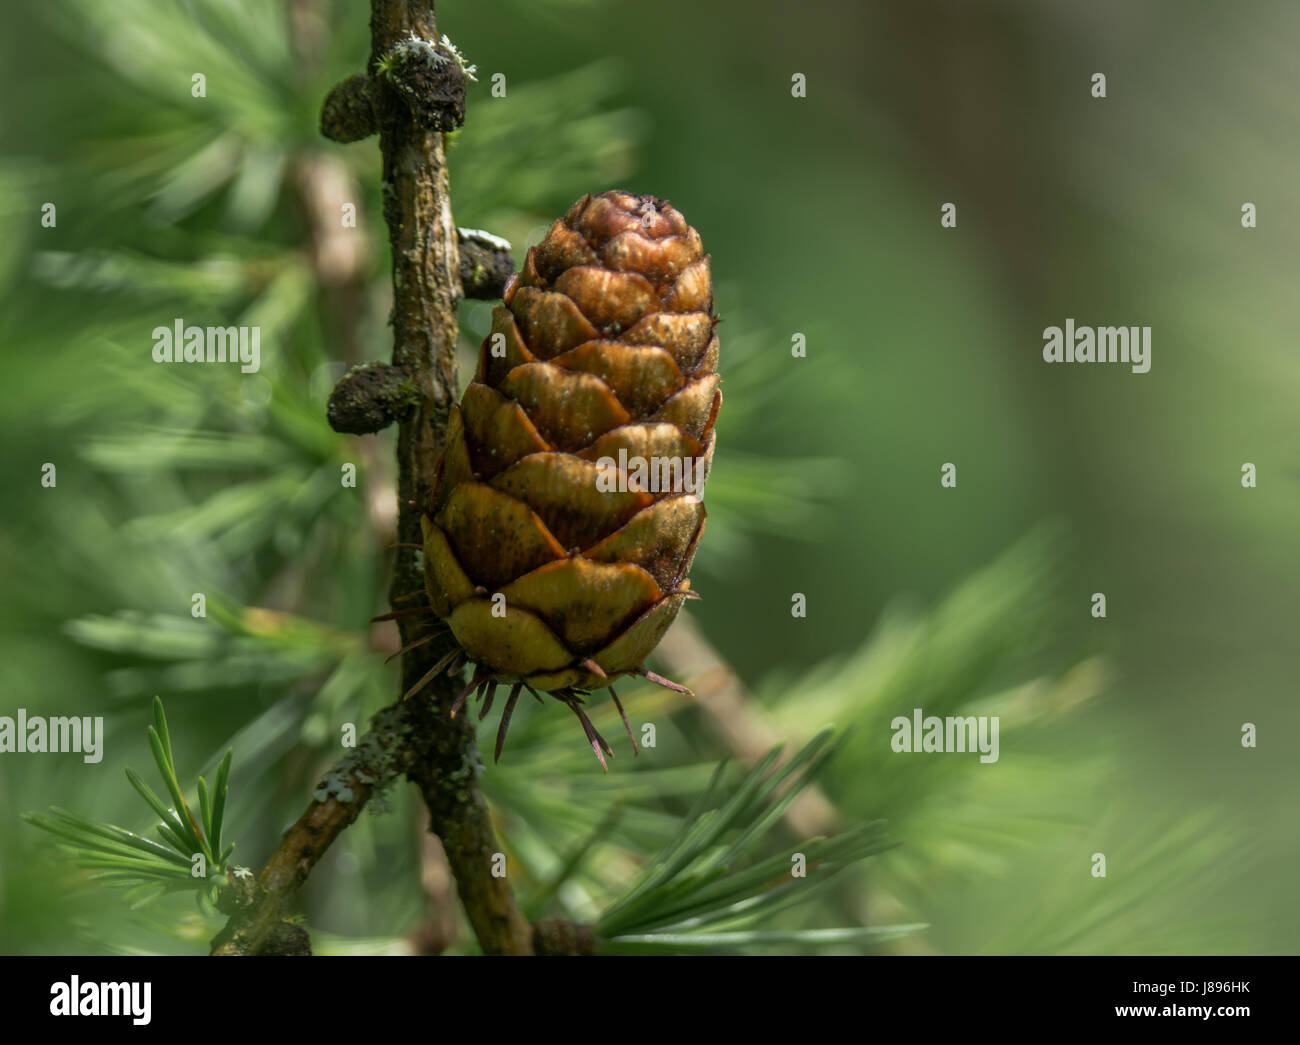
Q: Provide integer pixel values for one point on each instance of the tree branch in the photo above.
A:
(426, 289)
(257, 906)
(416, 737)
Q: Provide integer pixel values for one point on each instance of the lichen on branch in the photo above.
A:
(430, 79)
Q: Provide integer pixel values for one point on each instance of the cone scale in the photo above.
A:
(563, 518)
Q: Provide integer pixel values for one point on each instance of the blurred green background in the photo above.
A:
(1120, 736)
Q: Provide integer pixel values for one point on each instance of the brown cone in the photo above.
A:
(605, 345)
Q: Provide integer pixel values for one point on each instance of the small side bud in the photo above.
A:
(348, 114)
(485, 264)
(369, 398)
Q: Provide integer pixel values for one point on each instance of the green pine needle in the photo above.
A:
(705, 876)
(125, 858)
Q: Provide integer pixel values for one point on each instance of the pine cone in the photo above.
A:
(566, 483)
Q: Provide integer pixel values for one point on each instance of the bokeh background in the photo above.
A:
(1119, 736)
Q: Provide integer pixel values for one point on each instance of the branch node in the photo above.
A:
(348, 114)
(287, 940)
(370, 397)
(485, 264)
(430, 79)
(242, 892)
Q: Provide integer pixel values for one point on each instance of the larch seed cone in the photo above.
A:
(563, 516)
